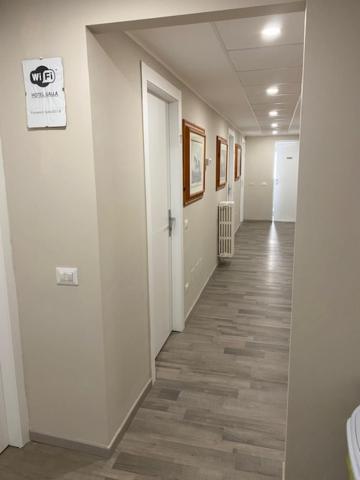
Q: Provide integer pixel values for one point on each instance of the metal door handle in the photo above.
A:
(172, 221)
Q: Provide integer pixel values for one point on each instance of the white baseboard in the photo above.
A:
(237, 228)
(201, 290)
(126, 422)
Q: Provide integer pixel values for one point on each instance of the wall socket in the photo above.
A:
(67, 276)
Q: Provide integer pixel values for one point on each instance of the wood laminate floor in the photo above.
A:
(218, 408)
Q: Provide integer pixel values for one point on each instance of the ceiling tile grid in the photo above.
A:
(231, 66)
(263, 63)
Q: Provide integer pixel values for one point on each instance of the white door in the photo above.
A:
(231, 166)
(4, 440)
(285, 181)
(160, 241)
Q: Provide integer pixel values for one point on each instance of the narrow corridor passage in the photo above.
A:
(218, 408)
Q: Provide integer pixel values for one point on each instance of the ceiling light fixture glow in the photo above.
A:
(274, 125)
(274, 132)
(271, 32)
(274, 90)
(273, 113)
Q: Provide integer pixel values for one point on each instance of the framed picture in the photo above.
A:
(238, 158)
(194, 149)
(221, 162)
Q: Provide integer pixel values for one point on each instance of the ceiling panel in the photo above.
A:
(282, 109)
(246, 32)
(195, 54)
(271, 76)
(264, 99)
(267, 57)
(284, 89)
(230, 66)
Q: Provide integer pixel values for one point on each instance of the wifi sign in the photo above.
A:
(42, 76)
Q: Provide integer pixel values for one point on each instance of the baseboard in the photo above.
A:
(201, 290)
(260, 220)
(237, 228)
(99, 450)
(129, 417)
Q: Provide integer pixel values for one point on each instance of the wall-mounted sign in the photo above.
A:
(44, 89)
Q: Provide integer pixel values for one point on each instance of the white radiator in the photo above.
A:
(226, 229)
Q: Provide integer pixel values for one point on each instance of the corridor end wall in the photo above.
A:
(260, 155)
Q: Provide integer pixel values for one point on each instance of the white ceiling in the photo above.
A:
(230, 66)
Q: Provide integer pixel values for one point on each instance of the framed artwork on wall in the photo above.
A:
(221, 162)
(238, 155)
(194, 149)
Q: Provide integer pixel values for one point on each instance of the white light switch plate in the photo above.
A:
(67, 276)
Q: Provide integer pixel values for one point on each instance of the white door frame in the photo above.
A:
(231, 164)
(10, 344)
(242, 179)
(154, 83)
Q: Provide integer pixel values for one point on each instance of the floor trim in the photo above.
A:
(101, 451)
(206, 282)
(201, 290)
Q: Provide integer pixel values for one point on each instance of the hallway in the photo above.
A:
(218, 408)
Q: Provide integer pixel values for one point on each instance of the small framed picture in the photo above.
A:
(238, 155)
(194, 149)
(221, 162)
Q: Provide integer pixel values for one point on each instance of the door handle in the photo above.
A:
(171, 221)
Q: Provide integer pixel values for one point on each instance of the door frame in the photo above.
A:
(154, 83)
(231, 165)
(242, 179)
(10, 343)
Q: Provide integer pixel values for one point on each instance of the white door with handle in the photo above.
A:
(285, 181)
(161, 223)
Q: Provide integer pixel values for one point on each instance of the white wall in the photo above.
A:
(114, 60)
(260, 152)
(325, 353)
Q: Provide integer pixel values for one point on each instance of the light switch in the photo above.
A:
(186, 224)
(67, 276)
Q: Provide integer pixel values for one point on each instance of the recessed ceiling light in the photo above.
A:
(273, 113)
(274, 132)
(274, 125)
(271, 32)
(274, 90)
